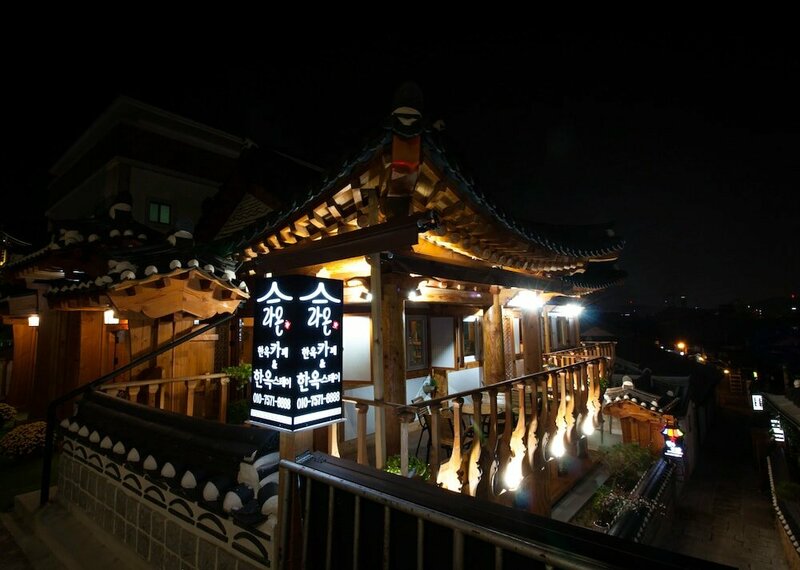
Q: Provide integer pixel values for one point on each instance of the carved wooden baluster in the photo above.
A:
(162, 396)
(435, 441)
(517, 468)
(473, 471)
(489, 464)
(333, 439)
(405, 416)
(569, 410)
(133, 393)
(539, 484)
(361, 433)
(505, 450)
(450, 473)
(151, 395)
(557, 411)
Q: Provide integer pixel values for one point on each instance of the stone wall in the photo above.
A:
(163, 529)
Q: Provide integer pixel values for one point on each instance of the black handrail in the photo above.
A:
(52, 407)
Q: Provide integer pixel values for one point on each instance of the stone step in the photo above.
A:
(68, 538)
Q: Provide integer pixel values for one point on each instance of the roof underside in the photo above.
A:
(471, 227)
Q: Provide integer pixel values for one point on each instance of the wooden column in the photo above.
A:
(394, 359)
(494, 368)
(20, 390)
(532, 351)
(575, 323)
(548, 335)
(376, 289)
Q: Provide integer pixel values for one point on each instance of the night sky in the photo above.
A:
(689, 145)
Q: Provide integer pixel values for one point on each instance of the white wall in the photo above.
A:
(443, 341)
(413, 389)
(356, 359)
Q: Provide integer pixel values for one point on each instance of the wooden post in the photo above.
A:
(191, 385)
(435, 442)
(494, 368)
(394, 361)
(405, 417)
(548, 334)
(376, 306)
(531, 340)
(224, 387)
(291, 445)
(333, 439)
(361, 433)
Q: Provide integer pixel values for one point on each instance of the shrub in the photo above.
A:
(239, 374)
(415, 466)
(238, 412)
(788, 491)
(609, 503)
(23, 440)
(7, 413)
(626, 463)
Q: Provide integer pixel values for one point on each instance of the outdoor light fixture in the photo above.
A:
(726, 371)
(527, 300)
(414, 294)
(673, 441)
(680, 345)
(109, 318)
(33, 321)
(570, 310)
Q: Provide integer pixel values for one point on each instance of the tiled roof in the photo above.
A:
(575, 241)
(646, 400)
(248, 209)
(597, 276)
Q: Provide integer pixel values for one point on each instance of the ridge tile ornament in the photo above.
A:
(297, 353)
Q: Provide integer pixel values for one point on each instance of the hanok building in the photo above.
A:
(439, 283)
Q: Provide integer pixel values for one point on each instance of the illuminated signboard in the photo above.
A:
(777, 430)
(297, 352)
(758, 403)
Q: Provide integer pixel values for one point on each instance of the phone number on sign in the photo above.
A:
(318, 400)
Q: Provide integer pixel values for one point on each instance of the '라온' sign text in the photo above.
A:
(297, 352)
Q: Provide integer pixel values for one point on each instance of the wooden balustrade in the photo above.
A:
(156, 391)
(576, 354)
(518, 426)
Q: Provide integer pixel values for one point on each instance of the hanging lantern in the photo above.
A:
(673, 441)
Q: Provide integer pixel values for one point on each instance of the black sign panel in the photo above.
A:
(297, 352)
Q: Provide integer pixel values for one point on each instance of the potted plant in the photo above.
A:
(238, 407)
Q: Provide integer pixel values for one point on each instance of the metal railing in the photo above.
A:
(338, 514)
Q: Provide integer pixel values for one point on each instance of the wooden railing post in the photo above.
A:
(224, 388)
(191, 386)
(361, 433)
(151, 395)
(435, 441)
(333, 439)
(406, 417)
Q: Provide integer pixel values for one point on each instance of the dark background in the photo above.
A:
(689, 144)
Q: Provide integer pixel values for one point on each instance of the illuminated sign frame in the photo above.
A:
(758, 402)
(297, 353)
